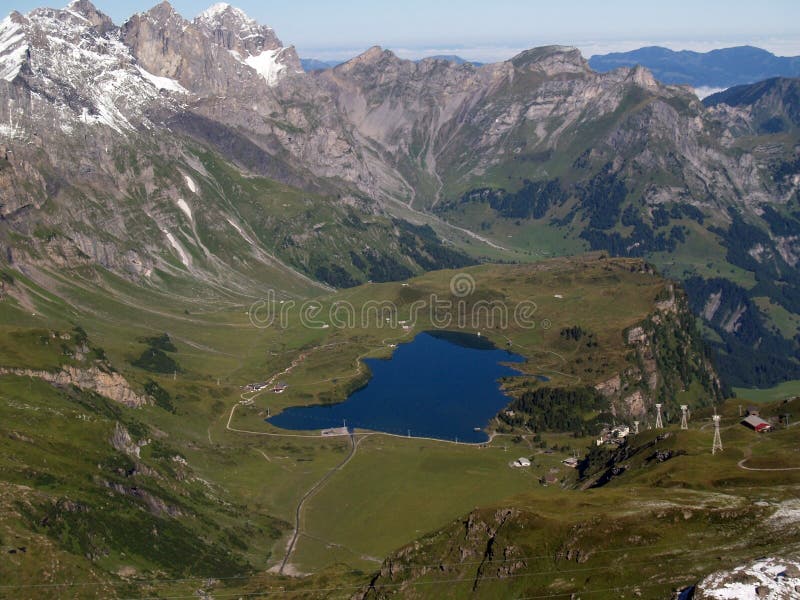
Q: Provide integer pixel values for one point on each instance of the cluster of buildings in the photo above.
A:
(255, 387)
(615, 435)
(278, 388)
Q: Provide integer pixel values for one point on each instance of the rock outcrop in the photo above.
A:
(109, 384)
(668, 356)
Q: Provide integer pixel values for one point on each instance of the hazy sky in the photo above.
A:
(496, 29)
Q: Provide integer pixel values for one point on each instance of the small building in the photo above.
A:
(622, 431)
(255, 387)
(280, 387)
(757, 424)
(521, 462)
(571, 462)
(334, 431)
(616, 436)
(550, 479)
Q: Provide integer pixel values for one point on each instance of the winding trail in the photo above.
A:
(429, 217)
(315, 488)
(740, 464)
(749, 454)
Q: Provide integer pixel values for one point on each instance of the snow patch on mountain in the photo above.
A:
(766, 579)
(704, 91)
(266, 64)
(91, 77)
(13, 49)
(185, 208)
(184, 256)
(190, 183)
(77, 15)
(213, 13)
(787, 515)
(10, 131)
(162, 83)
(238, 228)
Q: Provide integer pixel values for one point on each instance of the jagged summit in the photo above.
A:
(256, 45)
(236, 31)
(375, 51)
(89, 76)
(222, 49)
(101, 21)
(372, 56)
(642, 77)
(222, 12)
(552, 60)
(162, 11)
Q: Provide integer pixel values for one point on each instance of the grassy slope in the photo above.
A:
(658, 527)
(785, 390)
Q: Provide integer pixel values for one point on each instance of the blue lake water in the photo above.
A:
(441, 385)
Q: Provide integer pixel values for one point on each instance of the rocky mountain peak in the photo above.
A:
(552, 60)
(99, 20)
(373, 53)
(224, 13)
(162, 16)
(642, 77)
(162, 11)
(371, 57)
(233, 29)
(74, 58)
(254, 44)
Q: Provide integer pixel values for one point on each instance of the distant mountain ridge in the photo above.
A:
(720, 68)
(773, 105)
(453, 58)
(314, 64)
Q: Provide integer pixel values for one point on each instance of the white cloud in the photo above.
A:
(705, 91)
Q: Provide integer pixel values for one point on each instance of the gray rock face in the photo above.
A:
(232, 29)
(221, 52)
(111, 385)
(389, 128)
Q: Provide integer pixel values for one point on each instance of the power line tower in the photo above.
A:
(636, 427)
(659, 422)
(684, 416)
(717, 439)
